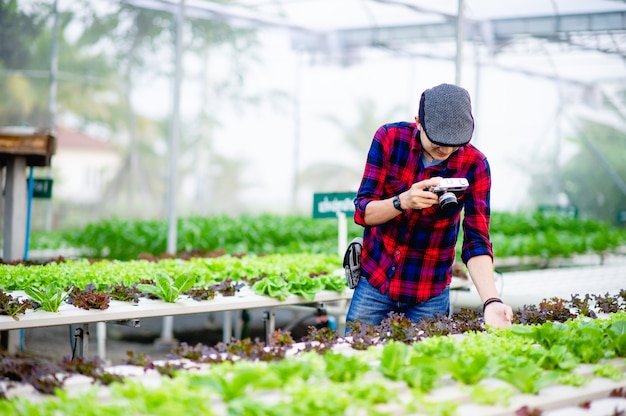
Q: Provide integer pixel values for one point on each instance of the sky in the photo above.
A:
(517, 117)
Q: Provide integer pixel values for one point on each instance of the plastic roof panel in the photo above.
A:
(341, 14)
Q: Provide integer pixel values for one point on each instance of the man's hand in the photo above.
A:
(416, 197)
(498, 314)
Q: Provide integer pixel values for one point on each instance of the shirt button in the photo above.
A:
(398, 252)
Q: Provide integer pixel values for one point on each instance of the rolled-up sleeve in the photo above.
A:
(372, 183)
(476, 240)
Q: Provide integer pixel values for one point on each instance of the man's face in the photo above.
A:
(434, 151)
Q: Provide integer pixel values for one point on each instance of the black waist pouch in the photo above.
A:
(352, 262)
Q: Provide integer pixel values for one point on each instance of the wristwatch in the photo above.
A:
(396, 204)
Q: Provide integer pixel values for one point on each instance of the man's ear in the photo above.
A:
(417, 121)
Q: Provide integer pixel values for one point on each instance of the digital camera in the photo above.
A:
(448, 190)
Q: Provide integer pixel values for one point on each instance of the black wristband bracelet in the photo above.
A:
(490, 301)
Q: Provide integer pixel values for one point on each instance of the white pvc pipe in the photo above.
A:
(101, 338)
(342, 233)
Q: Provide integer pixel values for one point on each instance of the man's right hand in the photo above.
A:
(417, 197)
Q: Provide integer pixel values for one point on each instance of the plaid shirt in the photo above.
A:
(410, 257)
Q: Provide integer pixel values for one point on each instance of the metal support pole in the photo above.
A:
(477, 94)
(297, 123)
(269, 319)
(227, 328)
(52, 98)
(459, 43)
(167, 331)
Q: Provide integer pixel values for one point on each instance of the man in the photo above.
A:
(409, 241)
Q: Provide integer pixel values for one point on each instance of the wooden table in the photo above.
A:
(20, 147)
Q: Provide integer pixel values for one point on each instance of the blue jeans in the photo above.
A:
(370, 306)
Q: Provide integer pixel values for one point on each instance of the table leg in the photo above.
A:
(269, 319)
(227, 327)
(101, 335)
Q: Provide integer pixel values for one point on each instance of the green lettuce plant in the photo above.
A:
(167, 289)
(490, 396)
(372, 382)
(50, 298)
(617, 333)
(525, 374)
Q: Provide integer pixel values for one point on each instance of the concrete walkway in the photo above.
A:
(584, 275)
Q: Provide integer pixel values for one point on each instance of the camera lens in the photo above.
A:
(447, 199)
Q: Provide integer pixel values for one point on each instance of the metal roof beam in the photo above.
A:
(216, 11)
(489, 31)
(552, 25)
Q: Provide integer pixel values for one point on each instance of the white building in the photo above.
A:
(82, 167)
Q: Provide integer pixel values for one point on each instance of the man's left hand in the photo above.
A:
(498, 314)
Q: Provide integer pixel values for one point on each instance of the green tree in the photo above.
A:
(18, 97)
(594, 178)
(17, 29)
(25, 53)
(144, 47)
(143, 43)
(217, 180)
(345, 176)
(105, 50)
(587, 176)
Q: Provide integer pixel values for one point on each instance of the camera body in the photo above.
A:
(448, 190)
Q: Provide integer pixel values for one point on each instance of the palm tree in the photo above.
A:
(137, 33)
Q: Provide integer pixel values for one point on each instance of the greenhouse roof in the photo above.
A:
(343, 31)
(348, 24)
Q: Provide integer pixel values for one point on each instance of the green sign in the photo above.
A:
(42, 188)
(327, 205)
(621, 216)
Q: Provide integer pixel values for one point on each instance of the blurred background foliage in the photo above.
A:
(106, 50)
(541, 237)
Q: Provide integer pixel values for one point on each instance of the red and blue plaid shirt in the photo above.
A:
(410, 257)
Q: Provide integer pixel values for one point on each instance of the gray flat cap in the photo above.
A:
(445, 114)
